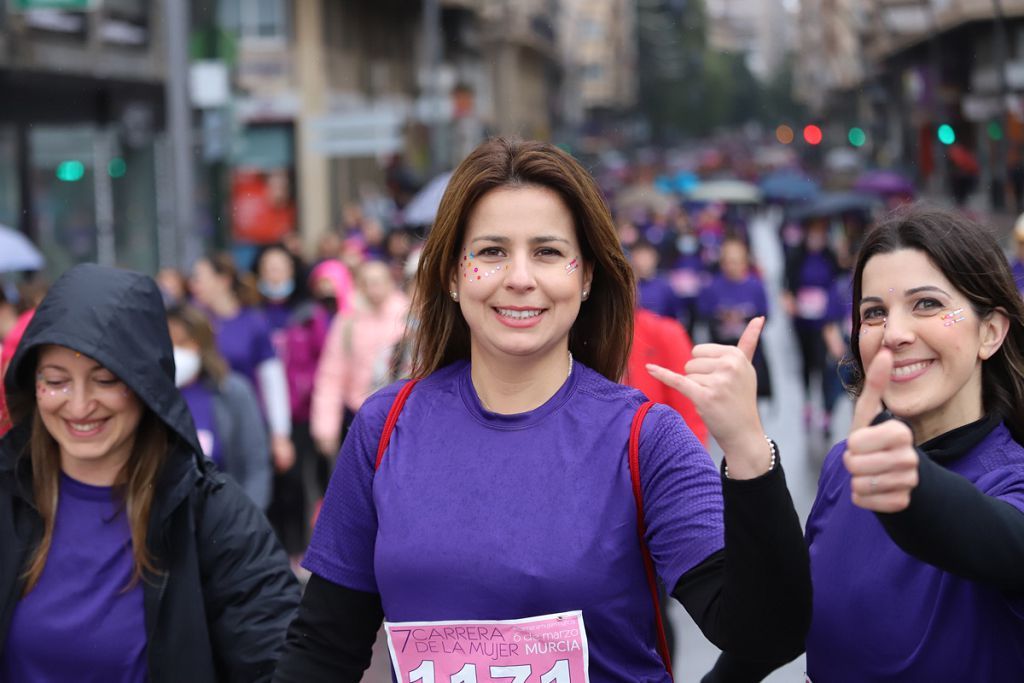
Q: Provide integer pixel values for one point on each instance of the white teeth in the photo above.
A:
(83, 426)
(518, 315)
(908, 370)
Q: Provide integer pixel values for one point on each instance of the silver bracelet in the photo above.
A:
(775, 454)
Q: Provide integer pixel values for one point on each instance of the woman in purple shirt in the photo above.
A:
(124, 557)
(917, 533)
(505, 490)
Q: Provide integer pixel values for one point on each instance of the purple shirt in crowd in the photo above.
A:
(882, 615)
(813, 288)
(1018, 274)
(729, 305)
(200, 403)
(656, 295)
(476, 515)
(244, 341)
(78, 623)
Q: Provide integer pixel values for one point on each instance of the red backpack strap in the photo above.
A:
(389, 424)
(641, 530)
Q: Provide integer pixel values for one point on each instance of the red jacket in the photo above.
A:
(6, 354)
(664, 342)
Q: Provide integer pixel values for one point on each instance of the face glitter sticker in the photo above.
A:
(472, 272)
(44, 389)
(572, 267)
(953, 317)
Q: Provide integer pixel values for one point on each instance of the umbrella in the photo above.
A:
(644, 197)
(727, 191)
(788, 186)
(884, 183)
(835, 204)
(422, 208)
(17, 252)
(842, 159)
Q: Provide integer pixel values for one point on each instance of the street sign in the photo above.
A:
(366, 132)
(79, 5)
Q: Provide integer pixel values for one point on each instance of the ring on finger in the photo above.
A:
(873, 483)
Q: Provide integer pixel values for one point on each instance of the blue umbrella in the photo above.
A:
(17, 252)
(788, 186)
(830, 204)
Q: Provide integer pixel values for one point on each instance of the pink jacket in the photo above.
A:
(356, 361)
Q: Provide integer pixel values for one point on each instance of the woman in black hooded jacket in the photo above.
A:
(124, 555)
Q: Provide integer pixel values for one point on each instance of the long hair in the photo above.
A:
(242, 284)
(602, 333)
(970, 258)
(198, 328)
(135, 488)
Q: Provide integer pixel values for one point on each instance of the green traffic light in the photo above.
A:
(947, 135)
(70, 171)
(117, 168)
(995, 131)
(857, 137)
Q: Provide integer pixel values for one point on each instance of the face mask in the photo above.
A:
(277, 292)
(187, 365)
(687, 244)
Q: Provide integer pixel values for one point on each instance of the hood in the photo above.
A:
(117, 318)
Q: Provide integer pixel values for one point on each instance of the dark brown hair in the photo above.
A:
(242, 284)
(199, 330)
(970, 258)
(603, 331)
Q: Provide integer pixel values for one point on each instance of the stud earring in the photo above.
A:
(586, 293)
(455, 295)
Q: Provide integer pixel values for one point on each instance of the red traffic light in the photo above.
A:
(812, 134)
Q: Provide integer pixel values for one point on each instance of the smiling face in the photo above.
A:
(521, 276)
(937, 341)
(92, 415)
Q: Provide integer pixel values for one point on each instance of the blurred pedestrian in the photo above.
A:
(810, 275)
(502, 490)
(223, 404)
(917, 533)
(357, 355)
(731, 300)
(123, 551)
(1017, 266)
(173, 286)
(243, 338)
(653, 289)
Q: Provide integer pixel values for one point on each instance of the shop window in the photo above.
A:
(255, 19)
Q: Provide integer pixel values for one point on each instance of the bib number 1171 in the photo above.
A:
(559, 673)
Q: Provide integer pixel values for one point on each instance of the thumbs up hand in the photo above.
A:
(721, 382)
(881, 459)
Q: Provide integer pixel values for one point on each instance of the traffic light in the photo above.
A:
(70, 171)
(995, 131)
(812, 134)
(946, 134)
(117, 168)
(784, 134)
(857, 137)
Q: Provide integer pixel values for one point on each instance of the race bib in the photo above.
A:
(685, 283)
(545, 649)
(811, 303)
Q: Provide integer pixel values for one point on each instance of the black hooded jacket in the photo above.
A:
(222, 601)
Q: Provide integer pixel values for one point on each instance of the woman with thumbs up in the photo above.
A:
(917, 533)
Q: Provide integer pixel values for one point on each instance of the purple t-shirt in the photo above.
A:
(475, 515)
(816, 276)
(882, 615)
(78, 623)
(656, 295)
(1018, 274)
(244, 341)
(729, 305)
(200, 403)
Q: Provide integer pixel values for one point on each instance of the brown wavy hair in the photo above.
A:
(135, 488)
(199, 330)
(971, 259)
(243, 284)
(602, 333)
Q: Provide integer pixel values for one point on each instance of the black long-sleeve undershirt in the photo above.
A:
(752, 597)
(949, 524)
